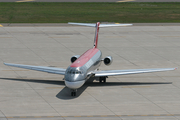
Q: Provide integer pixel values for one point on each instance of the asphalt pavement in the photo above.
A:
(33, 95)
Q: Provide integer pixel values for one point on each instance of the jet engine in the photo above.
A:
(74, 58)
(108, 60)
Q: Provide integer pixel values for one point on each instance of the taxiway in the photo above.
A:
(34, 95)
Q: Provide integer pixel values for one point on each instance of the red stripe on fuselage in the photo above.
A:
(84, 58)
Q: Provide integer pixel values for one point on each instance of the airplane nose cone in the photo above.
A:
(74, 84)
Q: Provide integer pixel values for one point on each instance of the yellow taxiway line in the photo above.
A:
(1, 25)
(126, 1)
(25, 0)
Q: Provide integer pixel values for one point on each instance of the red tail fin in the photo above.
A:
(96, 35)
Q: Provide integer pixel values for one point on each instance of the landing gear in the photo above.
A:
(73, 92)
(102, 79)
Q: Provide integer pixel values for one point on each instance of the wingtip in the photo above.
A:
(175, 68)
(70, 22)
(6, 63)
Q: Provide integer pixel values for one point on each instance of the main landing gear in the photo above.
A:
(102, 79)
(73, 92)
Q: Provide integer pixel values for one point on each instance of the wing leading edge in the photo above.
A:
(40, 68)
(132, 71)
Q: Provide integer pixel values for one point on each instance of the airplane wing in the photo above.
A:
(39, 68)
(132, 71)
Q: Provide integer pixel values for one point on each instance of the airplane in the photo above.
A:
(87, 65)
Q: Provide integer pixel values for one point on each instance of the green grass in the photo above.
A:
(89, 12)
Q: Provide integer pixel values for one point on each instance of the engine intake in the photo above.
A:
(74, 58)
(108, 60)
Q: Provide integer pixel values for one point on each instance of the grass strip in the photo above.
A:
(40, 12)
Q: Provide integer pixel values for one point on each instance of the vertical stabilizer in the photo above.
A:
(96, 35)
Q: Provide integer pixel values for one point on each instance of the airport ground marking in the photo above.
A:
(9, 117)
(38, 116)
(60, 37)
(5, 37)
(25, 1)
(1, 25)
(136, 86)
(54, 87)
(22, 117)
(126, 1)
(50, 116)
(157, 115)
(169, 36)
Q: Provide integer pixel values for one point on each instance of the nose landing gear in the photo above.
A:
(73, 92)
(102, 79)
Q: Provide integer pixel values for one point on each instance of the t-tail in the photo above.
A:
(98, 25)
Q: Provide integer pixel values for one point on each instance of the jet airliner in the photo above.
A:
(86, 66)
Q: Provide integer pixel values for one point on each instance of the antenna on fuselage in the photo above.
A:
(98, 25)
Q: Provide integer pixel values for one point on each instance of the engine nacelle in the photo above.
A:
(108, 60)
(74, 58)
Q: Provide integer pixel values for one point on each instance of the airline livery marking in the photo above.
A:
(85, 58)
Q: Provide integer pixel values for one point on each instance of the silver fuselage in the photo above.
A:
(75, 77)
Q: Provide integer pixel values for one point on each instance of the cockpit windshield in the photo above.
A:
(74, 72)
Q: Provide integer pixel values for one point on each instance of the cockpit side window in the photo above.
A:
(70, 71)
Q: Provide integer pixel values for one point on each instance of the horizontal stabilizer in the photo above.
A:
(101, 25)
